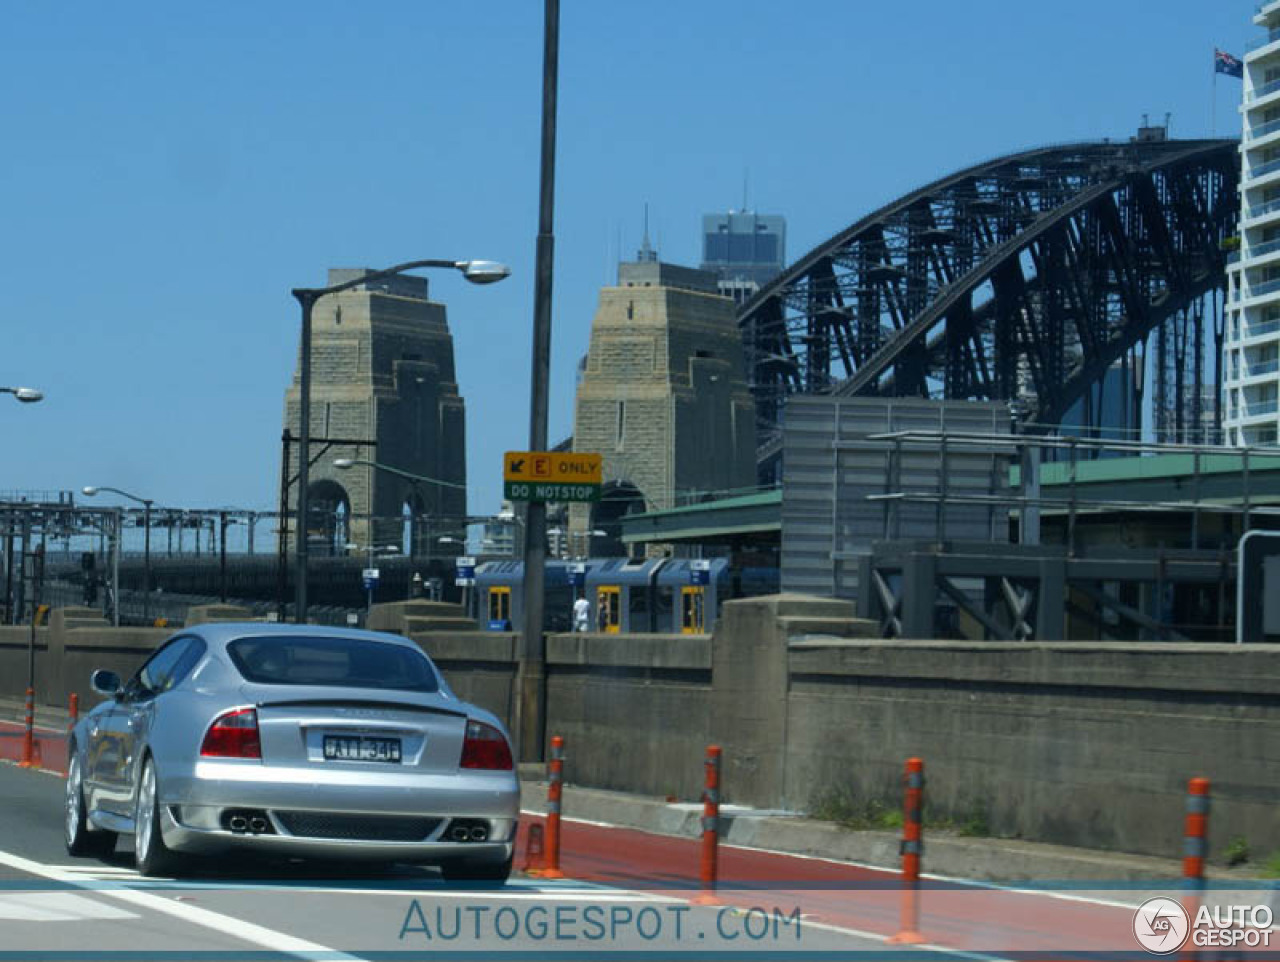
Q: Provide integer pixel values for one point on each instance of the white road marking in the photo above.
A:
(227, 925)
(593, 895)
(517, 890)
(56, 907)
(20, 726)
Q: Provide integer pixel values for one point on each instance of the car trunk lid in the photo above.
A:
(355, 728)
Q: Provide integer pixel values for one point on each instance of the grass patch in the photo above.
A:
(848, 811)
(1237, 851)
(1272, 867)
(975, 825)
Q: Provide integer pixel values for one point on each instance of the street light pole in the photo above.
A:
(478, 272)
(530, 706)
(301, 534)
(222, 557)
(344, 464)
(90, 490)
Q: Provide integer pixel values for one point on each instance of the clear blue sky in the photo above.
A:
(170, 171)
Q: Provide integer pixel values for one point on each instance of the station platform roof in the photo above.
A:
(1164, 478)
(757, 517)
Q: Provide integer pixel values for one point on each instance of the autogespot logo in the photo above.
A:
(1160, 925)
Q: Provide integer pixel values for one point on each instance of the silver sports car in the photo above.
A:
(292, 739)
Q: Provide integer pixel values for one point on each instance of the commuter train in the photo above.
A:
(628, 595)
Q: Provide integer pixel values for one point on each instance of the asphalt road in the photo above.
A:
(627, 893)
(54, 906)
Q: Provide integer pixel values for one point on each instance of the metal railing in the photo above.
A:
(1260, 42)
(1262, 130)
(1258, 290)
(1262, 210)
(1021, 445)
(1261, 330)
(1263, 249)
(1270, 167)
(1266, 90)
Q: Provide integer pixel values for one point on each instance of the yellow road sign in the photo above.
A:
(545, 466)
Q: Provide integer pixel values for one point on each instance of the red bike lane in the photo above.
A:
(868, 901)
(49, 746)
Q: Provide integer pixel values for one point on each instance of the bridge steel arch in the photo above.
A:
(1024, 278)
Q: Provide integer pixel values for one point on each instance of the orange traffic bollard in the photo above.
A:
(1195, 844)
(710, 867)
(73, 711)
(533, 851)
(28, 735)
(912, 851)
(556, 777)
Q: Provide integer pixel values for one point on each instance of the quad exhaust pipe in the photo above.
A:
(239, 823)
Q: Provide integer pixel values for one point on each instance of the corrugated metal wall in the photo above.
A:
(829, 469)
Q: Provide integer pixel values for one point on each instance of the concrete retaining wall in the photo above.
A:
(634, 709)
(1068, 743)
(1075, 744)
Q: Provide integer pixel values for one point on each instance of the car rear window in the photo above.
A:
(337, 662)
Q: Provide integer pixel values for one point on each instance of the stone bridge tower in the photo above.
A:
(382, 371)
(663, 396)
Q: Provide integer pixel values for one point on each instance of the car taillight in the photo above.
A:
(485, 747)
(233, 735)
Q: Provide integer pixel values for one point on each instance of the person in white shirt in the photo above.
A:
(581, 614)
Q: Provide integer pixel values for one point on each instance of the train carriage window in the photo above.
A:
(557, 614)
(638, 608)
(665, 605)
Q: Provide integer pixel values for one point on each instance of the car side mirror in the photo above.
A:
(105, 682)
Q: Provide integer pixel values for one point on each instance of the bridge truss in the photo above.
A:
(1028, 278)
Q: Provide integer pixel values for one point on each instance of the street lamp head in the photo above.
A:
(344, 463)
(483, 272)
(28, 395)
(89, 491)
(598, 533)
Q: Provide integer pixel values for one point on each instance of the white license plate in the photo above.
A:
(361, 748)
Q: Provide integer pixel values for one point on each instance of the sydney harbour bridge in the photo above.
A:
(1024, 278)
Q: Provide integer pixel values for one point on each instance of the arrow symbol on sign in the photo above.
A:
(517, 466)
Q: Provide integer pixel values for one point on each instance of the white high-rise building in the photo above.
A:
(1252, 346)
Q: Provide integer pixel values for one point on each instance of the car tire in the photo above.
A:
(470, 870)
(82, 840)
(153, 856)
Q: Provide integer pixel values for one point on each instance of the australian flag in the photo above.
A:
(1223, 62)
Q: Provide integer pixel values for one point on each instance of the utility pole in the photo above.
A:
(532, 692)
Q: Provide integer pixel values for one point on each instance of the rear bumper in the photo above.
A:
(182, 837)
(196, 805)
